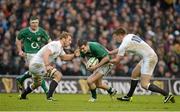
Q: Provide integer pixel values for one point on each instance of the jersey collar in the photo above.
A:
(34, 31)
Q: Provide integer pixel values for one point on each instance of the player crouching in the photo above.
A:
(94, 49)
(40, 64)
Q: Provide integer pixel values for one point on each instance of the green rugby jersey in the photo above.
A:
(96, 50)
(33, 41)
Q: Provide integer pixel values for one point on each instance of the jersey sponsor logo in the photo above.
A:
(29, 38)
(35, 45)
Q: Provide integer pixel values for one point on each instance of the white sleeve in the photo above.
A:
(122, 49)
(53, 48)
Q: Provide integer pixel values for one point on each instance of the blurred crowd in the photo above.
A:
(155, 21)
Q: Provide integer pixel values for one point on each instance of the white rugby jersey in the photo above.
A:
(56, 49)
(133, 43)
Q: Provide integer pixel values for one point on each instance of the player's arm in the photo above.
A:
(46, 36)
(103, 61)
(115, 51)
(120, 53)
(45, 57)
(19, 44)
(116, 60)
(68, 57)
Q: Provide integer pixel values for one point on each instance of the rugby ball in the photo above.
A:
(92, 61)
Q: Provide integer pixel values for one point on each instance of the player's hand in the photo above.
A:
(49, 68)
(77, 52)
(21, 53)
(92, 68)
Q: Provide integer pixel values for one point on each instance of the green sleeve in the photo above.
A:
(20, 35)
(98, 50)
(45, 34)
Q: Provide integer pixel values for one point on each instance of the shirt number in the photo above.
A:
(136, 38)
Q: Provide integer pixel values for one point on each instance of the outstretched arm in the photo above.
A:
(116, 60)
(19, 47)
(68, 57)
(115, 51)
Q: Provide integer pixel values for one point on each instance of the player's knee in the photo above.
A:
(36, 84)
(98, 85)
(144, 85)
(57, 76)
(89, 81)
(135, 74)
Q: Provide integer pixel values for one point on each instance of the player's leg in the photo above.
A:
(145, 83)
(36, 83)
(103, 71)
(146, 74)
(100, 84)
(20, 80)
(134, 81)
(43, 85)
(54, 83)
(90, 81)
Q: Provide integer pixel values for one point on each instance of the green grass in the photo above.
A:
(79, 102)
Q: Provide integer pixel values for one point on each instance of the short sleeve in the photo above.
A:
(20, 35)
(122, 49)
(45, 34)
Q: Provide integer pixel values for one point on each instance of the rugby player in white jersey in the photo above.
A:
(40, 65)
(144, 69)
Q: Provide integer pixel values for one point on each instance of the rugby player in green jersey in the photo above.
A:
(94, 49)
(29, 41)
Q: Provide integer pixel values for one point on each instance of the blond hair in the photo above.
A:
(64, 35)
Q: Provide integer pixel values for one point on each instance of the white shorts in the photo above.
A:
(148, 65)
(28, 57)
(37, 69)
(105, 69)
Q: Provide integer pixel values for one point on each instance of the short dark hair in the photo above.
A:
(82, 42)
(119, 31)
(64, 35)
(34, 18)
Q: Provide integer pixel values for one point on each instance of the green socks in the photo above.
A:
(43, 85)
(24, 76)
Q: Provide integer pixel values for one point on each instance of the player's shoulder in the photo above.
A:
(42, 29)
(55, 44)
(93, 43)
(24, 30)
(129, 35)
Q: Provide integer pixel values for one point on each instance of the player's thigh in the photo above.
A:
(148, 65)
(28, 57)
(137, 70)
(37, 69)
(105, 69)
(99, 82)
(94, 77)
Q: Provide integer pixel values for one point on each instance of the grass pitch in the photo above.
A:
(79, 102)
